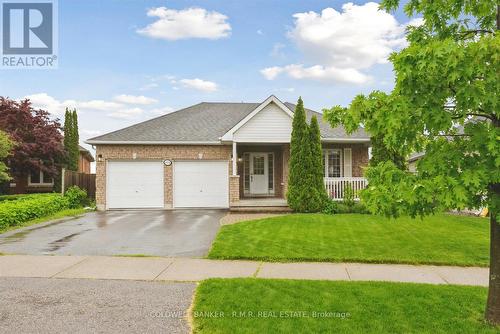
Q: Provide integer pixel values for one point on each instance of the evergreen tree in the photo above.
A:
(318, 191)
(71, 139)
(298, 153)
(67, 134)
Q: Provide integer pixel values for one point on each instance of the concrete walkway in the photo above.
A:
(190, 270)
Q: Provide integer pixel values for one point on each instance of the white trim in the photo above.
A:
(234, 160)
(347, 162)
(41, 183)
(228, 136)
(123, 142)
(345, 140)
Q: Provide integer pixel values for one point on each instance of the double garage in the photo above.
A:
(145, 184)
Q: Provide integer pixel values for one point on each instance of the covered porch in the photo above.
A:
(261, 171)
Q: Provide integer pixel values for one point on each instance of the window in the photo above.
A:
(258, 165)
(270, 174)
(39, 178)
(332, 163)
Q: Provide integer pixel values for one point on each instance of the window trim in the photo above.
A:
(41, 183)
(326, 152)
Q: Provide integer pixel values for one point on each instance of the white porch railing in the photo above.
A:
(335, 186)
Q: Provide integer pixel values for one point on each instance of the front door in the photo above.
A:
(258, 173)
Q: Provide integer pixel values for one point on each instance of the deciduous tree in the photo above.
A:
(37, 137)
(445, 78)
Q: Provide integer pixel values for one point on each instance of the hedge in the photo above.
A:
(25, 208)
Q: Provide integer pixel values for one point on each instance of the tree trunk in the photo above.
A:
(493, 304)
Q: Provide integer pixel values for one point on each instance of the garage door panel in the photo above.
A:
(201, 184)
(135, 184)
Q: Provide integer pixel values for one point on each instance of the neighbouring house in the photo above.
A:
(413, 159)
(85, 158)
(39, 182)
(216, 155)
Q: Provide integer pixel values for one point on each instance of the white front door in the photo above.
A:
(259, 173)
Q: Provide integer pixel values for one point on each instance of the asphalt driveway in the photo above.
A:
(158, 233)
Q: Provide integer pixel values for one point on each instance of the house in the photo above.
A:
(85, 158)
(39, 182)
(413, 159)
(216, 155)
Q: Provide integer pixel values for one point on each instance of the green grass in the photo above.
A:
(367, 307)
(60, 214)
(441, 239)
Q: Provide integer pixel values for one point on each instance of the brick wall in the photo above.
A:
(155, 152)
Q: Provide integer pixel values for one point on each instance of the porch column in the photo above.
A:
(235, 160)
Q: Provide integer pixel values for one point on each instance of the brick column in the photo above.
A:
(234, 189)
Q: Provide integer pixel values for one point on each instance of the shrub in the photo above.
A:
(330, 207)
(76, 197)
(29, 207)
(348, 195)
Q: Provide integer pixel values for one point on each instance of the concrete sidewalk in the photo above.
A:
(184, 269)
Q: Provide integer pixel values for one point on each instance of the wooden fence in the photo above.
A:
(84, 181)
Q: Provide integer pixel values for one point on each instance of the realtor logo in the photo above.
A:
(29, 34)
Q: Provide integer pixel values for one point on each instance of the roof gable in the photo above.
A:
(274, 108)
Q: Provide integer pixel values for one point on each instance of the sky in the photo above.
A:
(126, 61)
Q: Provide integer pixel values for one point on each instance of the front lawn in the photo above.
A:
(442, 239)
(292, 306)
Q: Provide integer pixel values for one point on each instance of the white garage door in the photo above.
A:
(134, 184)
(201, 184)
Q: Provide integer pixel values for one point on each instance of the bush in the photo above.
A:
(330, 207)
(29, 207)
(348, 195)
(76, 197)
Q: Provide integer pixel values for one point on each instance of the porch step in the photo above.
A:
(260, 209)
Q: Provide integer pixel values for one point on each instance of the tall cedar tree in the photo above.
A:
(317, 170)
(446, 76)
(38, 139)
(71, 139)
(382, 153)
(6, 145)
(298, 153)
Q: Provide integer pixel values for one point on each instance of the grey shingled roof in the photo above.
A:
(326, 130)
(203, 122)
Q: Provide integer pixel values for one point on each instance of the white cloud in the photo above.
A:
(149, 86)
(340, 44)
(46, 102)
(135, 99)
(270, 73)
(128, 113)
(318, 72)
(113, 109)
(199, 84)
(187, 23)
(277, 50)
(100, 105)
(260, 32)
